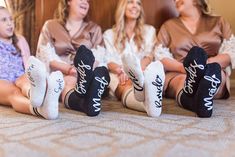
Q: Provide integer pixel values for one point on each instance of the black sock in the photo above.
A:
(83, 61)
(194, 64)
(207, 89)
(74, 102)
(97, 87)
(186, 101)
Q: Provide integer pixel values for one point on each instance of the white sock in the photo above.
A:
(130, 101)
(36, 72)
(154, 82)
(132, 67)
(50, 106)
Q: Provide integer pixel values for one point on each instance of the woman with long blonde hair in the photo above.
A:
(197, 51)
(129, 44)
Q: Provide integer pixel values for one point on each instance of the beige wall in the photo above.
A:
(226, 8)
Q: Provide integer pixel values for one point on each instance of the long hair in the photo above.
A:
(14, 38)
(203, 6)
(62, 12)
(120, 35)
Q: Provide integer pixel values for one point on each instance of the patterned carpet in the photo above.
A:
(120, 132)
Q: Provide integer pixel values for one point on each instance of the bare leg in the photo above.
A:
(125, 93)
(121, 89)
(12, 96)
(70, 82)
(24, 84)
(222, 88)
(175, 86)
(19, 102)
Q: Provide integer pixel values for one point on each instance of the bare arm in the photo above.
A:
(172, 65)
(115, 68)
(145, 62)
(223, 59)
(66, 69)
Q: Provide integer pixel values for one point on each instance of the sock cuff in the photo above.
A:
(28, 93)
(125, 96)
(35, 111)
(66, 99)
(178, 97)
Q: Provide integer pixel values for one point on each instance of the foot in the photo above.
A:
(97, 87)
(83, 61)
(194, 64)
(132, 67)
(207, 89)
(36, 72)
(154, 82)
(50, 107)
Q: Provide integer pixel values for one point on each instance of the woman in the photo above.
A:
(197, 51)
(16, 90)
(69, 38)
(129, 44)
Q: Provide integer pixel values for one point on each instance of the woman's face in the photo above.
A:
(184, 6)
(79, 7)
(6, 24)
(133, 9)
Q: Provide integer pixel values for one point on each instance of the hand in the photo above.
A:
(72, 71)
(123, 78)
(181, 69)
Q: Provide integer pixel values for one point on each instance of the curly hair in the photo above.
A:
(119, 28)
(62, 12)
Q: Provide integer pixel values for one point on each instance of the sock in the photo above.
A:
(50, 106)
(97, 87)
(154, 81)
(186, 101)
(74, 102)
(132, 67)
(129, 100)
(207, 89)
(194, 64)
(83, 61)
(36, 72)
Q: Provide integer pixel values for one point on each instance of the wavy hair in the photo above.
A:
(204, 7)
(120, 35)
(62, 12)
(14, 38)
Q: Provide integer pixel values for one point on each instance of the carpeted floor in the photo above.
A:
(120, 132)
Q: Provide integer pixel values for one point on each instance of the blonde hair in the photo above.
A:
(14, 38)
(204, 6)
(119, 28)
(62, 12)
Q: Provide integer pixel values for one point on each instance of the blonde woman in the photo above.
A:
(197, 51)
(129, 44)
(69, 39)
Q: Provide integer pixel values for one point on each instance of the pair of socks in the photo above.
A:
(45, 90)
(147, 85)
(90, 86)
(201, 84)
